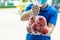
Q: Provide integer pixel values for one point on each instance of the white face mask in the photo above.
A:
(41, 2)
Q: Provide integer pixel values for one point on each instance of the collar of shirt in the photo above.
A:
(46, 8)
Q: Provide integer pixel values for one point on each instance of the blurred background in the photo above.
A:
(12, 28)
(21, 4)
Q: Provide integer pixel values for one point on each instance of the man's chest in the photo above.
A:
(45, 14)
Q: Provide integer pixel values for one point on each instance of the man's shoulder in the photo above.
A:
(51, 8)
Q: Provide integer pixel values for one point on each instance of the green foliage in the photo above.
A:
(24, 0)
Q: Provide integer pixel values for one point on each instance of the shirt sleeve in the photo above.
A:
(53, 17)
(28, 7)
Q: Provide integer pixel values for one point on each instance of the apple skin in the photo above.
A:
(41, 21)
(31, 20)
(33, 27)
(38, 25)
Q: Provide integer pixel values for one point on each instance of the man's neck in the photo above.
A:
(44, 6)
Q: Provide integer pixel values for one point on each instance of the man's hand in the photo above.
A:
(25, 16)
(51, 27)
(33, 11)
(45, 30)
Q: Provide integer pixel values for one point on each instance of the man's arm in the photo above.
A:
(51, 27)
(52, 21)
(25, 15)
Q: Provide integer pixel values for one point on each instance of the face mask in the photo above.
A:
(41, 2)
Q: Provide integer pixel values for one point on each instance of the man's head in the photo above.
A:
(42, 3)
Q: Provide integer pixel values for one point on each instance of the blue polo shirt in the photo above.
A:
(50, 13)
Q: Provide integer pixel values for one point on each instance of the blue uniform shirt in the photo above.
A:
(50, 13)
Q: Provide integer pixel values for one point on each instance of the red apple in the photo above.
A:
(32, 19)
(41, 21)
(38, 24)
(33, 26)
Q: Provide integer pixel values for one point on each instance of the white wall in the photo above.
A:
(49, 2)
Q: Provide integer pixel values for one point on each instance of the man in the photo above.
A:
(49, 12)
